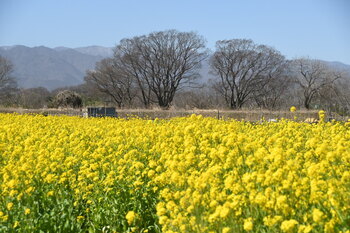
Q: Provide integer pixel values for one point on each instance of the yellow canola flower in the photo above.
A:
(9, 205)
(130, 217)
(16, 224)
(248, 224)
(50, 193)
(305, 229)
(317, 215)
(322, 115)
(26, 211)
(4, 218)
(271, 221)
(289, 225)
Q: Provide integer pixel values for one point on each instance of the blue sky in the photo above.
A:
(316, 28)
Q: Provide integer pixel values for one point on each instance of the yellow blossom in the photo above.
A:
(9, 205)
(317, 215)
(16, 224)
(130, 217)
(288, 225)
(248, 224)
(26, 211)
(50, 193)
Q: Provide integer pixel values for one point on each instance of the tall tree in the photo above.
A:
(112, 81)
(270, 94)
(6, 69)
(161, 62)
(312, 76)
(8, 84)
(243, 68)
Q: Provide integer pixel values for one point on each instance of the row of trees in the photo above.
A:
(154, 67)
(162, 69)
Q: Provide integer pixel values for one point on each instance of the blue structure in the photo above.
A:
(101, 112)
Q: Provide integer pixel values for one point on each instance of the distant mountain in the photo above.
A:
(62, 66)
(80, 61)
(204, 72)
(96, 51)
(340, 66)
(61, 48)
(52, 68)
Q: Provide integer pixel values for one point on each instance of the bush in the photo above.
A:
(68, 98)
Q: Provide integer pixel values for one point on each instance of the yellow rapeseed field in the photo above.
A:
(191, 174)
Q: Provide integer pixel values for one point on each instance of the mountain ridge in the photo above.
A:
(52, 67)
(62, 66)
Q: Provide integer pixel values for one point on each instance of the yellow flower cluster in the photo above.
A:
(130, 217)
(191, 174)
(322, 115)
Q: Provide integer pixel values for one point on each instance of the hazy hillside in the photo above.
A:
(80, 61)
(340, 66)
(52, 68)
(62, 66)
(96, 51)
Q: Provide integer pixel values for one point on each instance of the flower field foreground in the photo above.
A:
(194, 174)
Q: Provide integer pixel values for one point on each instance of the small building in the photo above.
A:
(100, 112)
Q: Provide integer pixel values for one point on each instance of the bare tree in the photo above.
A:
(336, 96)
(271, 94)
(161, 62)
(243, 68)
(202, 97)
(34, 97)
(8, 84)
(6, 68)
(112, 81)
(126, 58)
(313, 76)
